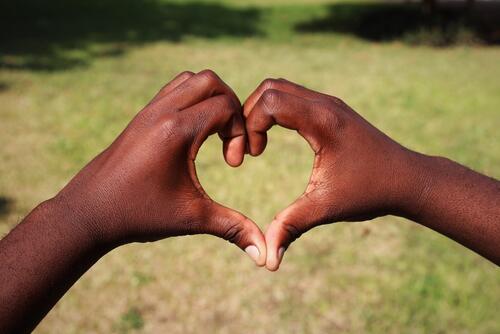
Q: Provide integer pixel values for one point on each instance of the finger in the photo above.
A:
(218, 114)
(199, 87)
(289, 225)
(238, 229)
(234, 140)
(282, 85)
(287, 110)
(180, 78)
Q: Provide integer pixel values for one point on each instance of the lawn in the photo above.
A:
(68, 91)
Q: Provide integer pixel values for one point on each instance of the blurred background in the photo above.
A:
(73, 73)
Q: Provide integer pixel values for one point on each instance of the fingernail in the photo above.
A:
(253, 252)
(281, 251)
(273, 263)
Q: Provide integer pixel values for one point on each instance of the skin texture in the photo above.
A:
(143, 187)
(359, 173)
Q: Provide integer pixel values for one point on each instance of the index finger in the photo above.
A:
(180, 78)
(282, 85)
(200, 87)
(290, 111)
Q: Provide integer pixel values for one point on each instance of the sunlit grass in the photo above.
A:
(388, 275)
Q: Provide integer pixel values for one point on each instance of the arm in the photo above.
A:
(459, 203)
(41, 259)
(141, 188)
(359, 173)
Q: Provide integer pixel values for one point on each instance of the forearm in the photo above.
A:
(459, 203)
(41, 259)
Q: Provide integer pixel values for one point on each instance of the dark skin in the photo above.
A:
(359, 173)
(143, 187)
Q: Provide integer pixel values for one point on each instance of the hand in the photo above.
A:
(144, 186)
(359, 173)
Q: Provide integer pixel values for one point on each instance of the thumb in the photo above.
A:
(289, 225)
(234, 227)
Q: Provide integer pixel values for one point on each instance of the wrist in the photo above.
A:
(417, 179)
(70, 221)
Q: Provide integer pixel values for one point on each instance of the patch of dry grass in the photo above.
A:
(382, 276)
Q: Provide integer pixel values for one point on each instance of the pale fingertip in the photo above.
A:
(261, 262)
(258, 240)
(272, 265)
(234, 151)
(274, 260)
(233, 160)
(254, 253)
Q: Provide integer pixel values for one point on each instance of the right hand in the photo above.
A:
(359, 173)
(143, 187)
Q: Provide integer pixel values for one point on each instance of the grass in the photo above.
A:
(387, 275)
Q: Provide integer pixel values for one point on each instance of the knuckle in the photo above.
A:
(168, 125)
(334, 114)
(269, 83)
(327, 114)
(282, 82)
(323, 108)
(146, 117)
(225, 102)
(186, 75)
(233, 233)
(209, 76)
(270, 98)
(337, 102)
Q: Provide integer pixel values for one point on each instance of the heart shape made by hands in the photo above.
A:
(350, 159)
(260, 186)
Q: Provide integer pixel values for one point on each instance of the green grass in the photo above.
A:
(130, 321)
(388, 275)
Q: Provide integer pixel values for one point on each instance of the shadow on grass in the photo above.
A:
(6, 206)
(3, 86)
(449, 23)
(59, 34)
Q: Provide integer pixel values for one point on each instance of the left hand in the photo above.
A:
(359, 173)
